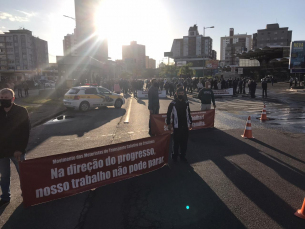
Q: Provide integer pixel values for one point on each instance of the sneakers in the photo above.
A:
(3, 203)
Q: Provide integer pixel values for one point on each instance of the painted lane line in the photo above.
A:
(128, 112)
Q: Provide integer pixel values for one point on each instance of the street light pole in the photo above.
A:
(204, 28)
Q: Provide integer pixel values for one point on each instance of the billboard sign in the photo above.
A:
(297, 55)
(211, 64)
(168, 54)
(181, 63)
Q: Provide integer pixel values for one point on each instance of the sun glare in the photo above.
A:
(122, 21)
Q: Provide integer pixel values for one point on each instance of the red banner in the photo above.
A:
(201, 119)
(53, 177)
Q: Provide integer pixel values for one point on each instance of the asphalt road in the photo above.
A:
(229, 182)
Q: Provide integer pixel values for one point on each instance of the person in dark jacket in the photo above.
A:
(264, 87)
(14, 137)
(252, 88)
(153, 100)
(179, 111)
(235, 83)
(171, 89)
(206, 96)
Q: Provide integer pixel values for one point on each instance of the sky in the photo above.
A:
(153, 23)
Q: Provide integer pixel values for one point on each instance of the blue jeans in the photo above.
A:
(5, 171)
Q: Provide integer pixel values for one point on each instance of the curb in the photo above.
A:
(41, 121)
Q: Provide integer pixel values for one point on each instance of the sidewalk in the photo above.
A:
(40, 112)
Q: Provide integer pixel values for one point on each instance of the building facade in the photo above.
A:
(69, 45)
(88, 42)
(193, 45)
(214, 55)
(273, 35)
(234, 44)
(20, 50)
(150, 63)
(134, 57)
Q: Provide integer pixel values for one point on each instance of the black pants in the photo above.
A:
(171, 93)
(155, 111)
(26, 92)
(181, 136)
(264, 92)
(20, 93)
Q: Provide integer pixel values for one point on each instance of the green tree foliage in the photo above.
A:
(149, 73)
(186, 70)
(168, 71)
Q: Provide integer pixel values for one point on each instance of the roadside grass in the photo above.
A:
(39, 99)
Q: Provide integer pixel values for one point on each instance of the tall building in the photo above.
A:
(20, 50)
(134, 56)
(193, 45)
(214, 55)
(150, 63)
(273, 35)
(147, 61)
(69, 45)
(233, 44)
(88, 42)
(41, 55)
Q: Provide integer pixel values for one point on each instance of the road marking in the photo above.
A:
(130, 132)
(128, 112)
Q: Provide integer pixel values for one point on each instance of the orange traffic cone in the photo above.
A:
(264, 114)
(301, 212)
(248, 129)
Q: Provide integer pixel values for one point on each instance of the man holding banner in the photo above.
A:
(179, 110)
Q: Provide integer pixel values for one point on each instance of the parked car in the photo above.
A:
(84, 98)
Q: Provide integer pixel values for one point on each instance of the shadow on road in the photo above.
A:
(80, 124)
(159, 199)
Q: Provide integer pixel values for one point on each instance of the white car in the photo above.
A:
(84, 98)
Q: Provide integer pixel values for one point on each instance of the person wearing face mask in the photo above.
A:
(179, 111)
(14, 137)
(153, 100)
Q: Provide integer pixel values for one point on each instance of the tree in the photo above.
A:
(186, 70)
(168, 71)
(149, 73)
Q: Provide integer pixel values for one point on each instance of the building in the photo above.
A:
(134, 57)
(273, 35)
(40, 53)
(150, 63)
(194, 49)
(69, 45)
(234, 44)
(193, 45)
(20, 50)
(214, 55)
(88, 42)
(147, 61)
